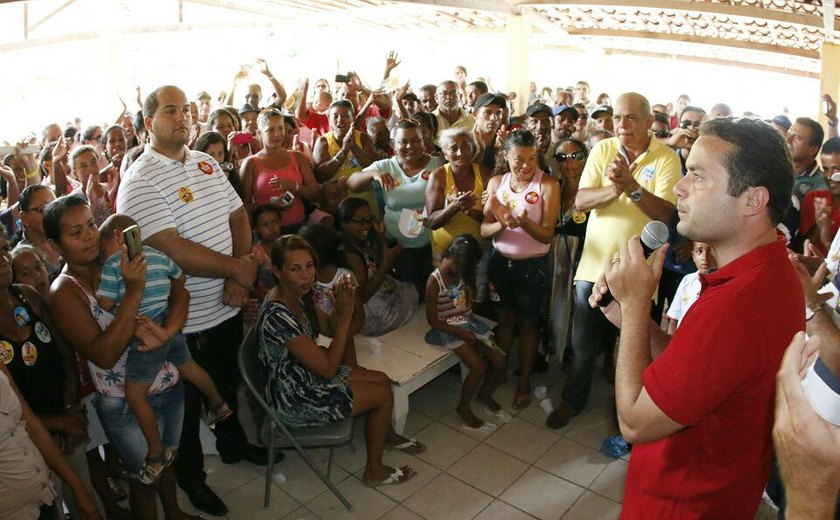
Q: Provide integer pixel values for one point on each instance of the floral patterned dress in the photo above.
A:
(299, 397)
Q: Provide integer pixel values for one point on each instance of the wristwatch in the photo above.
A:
(636, 195)
(811, 309)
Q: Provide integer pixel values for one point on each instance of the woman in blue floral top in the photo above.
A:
(307, 385)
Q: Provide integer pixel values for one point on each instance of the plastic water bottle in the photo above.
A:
(540, 392)
(615, 447)
(547, 407)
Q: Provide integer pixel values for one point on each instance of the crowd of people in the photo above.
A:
(340, 210)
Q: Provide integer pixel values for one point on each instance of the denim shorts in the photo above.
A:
(123, 431)
(143, 367)
(521, 286)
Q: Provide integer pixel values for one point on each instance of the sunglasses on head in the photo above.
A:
(662, 134)
(574, 156)
(684, 124)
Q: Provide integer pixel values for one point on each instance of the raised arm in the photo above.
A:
(278, 87)
(242, 74)
(301, 109)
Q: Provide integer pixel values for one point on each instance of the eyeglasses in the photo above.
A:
(361, 220)
(574, 156)
(662, 134)
(583, 116)
(685, 123)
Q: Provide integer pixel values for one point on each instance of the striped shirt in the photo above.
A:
(159, 270)
(196, 199)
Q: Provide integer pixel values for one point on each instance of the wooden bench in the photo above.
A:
(407, 359)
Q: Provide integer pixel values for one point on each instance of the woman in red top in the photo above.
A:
(274, 173)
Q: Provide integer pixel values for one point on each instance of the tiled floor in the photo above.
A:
(521, 471)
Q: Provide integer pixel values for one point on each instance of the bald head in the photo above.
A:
(637, 102)
(152, 101)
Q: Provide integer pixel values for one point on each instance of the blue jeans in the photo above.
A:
(591, 334)
(122, 429)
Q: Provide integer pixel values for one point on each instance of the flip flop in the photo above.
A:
(522, 400)
(219, 414)
(398, 476)
(410, 446)
(499, 414)
(484, 427)
(149, 473)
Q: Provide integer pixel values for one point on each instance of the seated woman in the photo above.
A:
(25, 487)
(103, 339)
(307, 385)
(520, 216)
(455, 194)
(400, 181)
(389, 304)
(274, 173)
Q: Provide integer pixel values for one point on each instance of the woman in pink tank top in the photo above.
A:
(520, 216)
(278, 176)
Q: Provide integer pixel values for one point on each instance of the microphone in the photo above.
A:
(654, 235)
(836, 177)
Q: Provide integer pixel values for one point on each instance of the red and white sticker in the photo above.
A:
(425, 175)
(29, 354)
(207, 168)
(532, 197)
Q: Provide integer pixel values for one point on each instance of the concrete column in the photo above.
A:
(518, 70)
(829, 76)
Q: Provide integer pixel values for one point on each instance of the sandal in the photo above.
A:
(484, 427)
(149, 474)
(522, 400)
(409, 446)
(498, 414)
(219, 414)
(398, 476)
(117, 491)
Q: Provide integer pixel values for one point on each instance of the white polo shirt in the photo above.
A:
(195, 198)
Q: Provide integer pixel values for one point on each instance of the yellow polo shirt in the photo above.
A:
(611, 226)
(465, 121)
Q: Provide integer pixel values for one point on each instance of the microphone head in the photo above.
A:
(654, 235)
(836, 177)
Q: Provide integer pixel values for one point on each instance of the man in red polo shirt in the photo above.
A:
(698, 406)
(820, 217)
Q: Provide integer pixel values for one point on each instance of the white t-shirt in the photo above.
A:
(687, 293)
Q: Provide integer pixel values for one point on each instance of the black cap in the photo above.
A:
(538, 108)
(248, 108)
(203, 95)
(602, 109)
(490, 99)
(411, 96)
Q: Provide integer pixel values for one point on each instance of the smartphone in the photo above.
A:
(242, 139)
(29, 150)
(342, 78)
(131, 237)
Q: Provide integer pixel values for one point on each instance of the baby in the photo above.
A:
(145, 361)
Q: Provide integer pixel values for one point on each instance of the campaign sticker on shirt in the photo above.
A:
(29, 353)
(185, 194)
(494, 295)
(207, 168)
(579, 217)
(532, 197)
(43, 332)
(22, 316)
(425, 175)
(648, 173)
(7, 353)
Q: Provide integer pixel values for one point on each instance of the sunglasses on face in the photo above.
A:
(582, 116)
(574, 156)
(686, 123)
(362, 220)
(662, 134)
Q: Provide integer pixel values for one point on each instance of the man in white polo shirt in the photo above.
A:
(186, 208)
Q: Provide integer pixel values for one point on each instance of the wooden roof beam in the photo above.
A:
(699, 7)
(721, 42)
